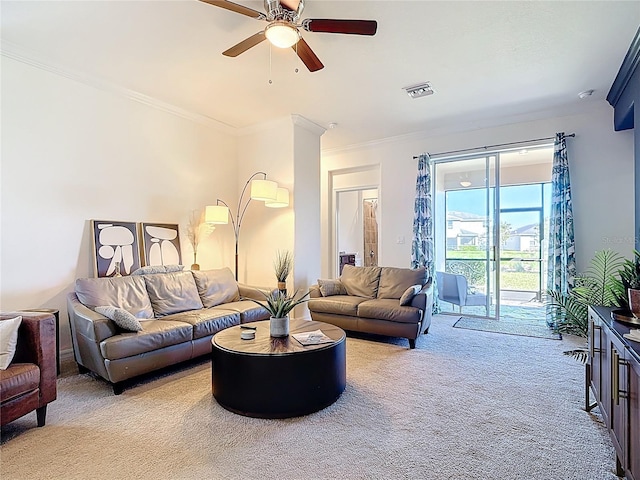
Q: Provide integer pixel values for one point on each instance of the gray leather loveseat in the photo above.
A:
(388, 301)
(177, 314)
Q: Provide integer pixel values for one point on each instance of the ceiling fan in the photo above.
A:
(283, 29)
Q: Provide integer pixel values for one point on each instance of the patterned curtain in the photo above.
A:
(422, 245)
(561, 268)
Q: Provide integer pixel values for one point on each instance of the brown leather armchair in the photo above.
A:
(29, 383)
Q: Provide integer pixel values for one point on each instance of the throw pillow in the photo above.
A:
(151, 269)
(408, 294)
(121, 318)
(331, 287)
(8, 340)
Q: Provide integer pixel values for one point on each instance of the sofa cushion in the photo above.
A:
(18, 379)
(388, 309)
(331, 287)
(206, 321)
(337, 304)
(216, 286)
(155, 334)
(8, 340)
(172, 293)
(121, 318)
(249, 311)
(361, 281)
(394, 281)
(128, 293)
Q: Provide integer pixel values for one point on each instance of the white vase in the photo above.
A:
(279, 327)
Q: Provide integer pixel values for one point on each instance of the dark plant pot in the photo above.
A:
(634, 301)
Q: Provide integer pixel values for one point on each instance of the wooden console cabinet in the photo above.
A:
(613, 373)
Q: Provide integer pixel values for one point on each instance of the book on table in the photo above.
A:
(312, 338)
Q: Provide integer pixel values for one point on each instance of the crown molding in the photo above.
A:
(307, 124)
(272, 124)
(457, 127)
(20, 54)
(627, 69)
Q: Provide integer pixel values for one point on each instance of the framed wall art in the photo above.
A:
(116, 248)
(160, 244)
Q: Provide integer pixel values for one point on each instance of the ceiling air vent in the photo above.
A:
(419, 90)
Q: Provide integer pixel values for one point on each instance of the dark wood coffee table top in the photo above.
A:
(229, 339)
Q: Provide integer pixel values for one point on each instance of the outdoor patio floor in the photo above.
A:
(527, 311)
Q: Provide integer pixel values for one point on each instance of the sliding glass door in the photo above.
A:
(465, 205)
(491, 215)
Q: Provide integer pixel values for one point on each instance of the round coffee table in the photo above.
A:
(278, 377)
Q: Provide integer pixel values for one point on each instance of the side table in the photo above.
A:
(56, 313)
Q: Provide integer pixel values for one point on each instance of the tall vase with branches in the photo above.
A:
(196, 230)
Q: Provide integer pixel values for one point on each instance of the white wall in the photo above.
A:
(72, 153)
(306, 168)
(265, 148)
(601, 164)
(288, 150)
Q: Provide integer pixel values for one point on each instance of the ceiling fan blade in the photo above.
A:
(353, 27)
(245, 45)
(234, 7)
(307, 56)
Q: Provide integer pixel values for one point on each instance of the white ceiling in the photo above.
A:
(489, 62)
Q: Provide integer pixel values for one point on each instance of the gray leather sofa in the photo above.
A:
(388, 301)
(179, 312)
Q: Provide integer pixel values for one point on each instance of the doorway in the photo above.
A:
(491, 212)
(357, 227)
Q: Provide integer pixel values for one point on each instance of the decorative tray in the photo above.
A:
(624, 316)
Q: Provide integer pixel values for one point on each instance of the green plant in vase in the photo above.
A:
(282, 266)
(279, 305)
(628, 294)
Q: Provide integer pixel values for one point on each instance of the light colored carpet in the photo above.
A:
(463, 405)
(510, 326)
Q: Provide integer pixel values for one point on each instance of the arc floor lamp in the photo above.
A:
(262, 190)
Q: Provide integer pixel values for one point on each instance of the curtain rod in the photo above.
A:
(492, 146)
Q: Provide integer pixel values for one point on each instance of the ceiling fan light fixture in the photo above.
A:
(282, 34)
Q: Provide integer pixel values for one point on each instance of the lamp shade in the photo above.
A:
(282, 34)
(264, 190)
(216, 214)
(282, 199)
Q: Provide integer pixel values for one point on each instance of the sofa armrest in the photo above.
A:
(87, 322)
(314, 292)
(424, 298)
(256, 293)
(37, 344)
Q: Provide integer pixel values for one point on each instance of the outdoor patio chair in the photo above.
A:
(454, 288)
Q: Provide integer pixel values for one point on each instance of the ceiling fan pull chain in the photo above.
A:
(297, 57)
(270, 81)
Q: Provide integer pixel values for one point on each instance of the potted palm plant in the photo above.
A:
(282, 268)
(630, 285)
(279, 305)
